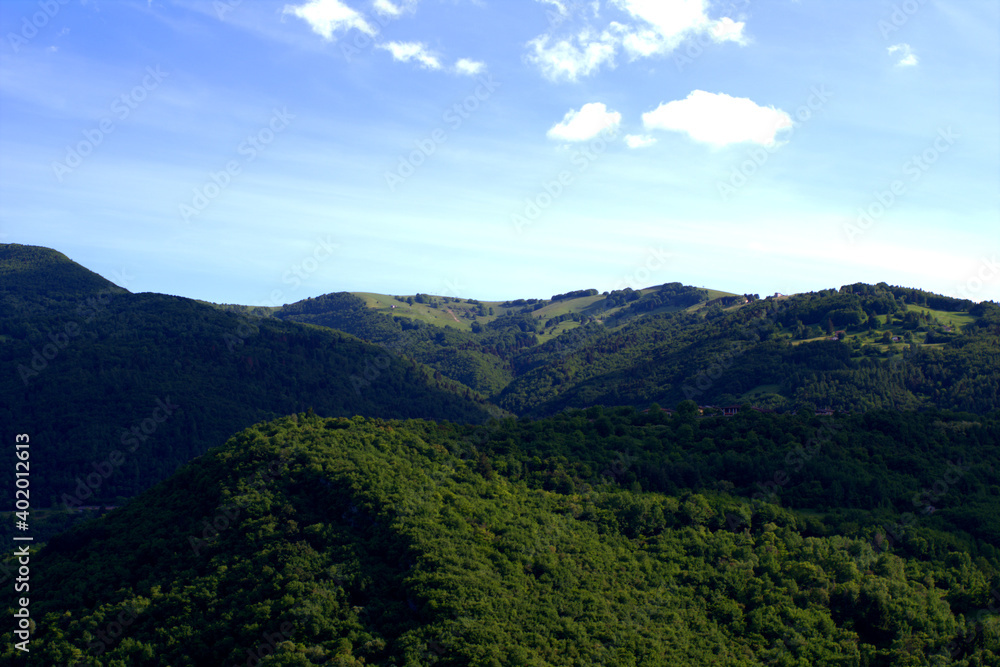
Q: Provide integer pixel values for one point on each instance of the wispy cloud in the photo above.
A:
(906, 56)
(662, 25)
(585, 124)
(639, 140)
(327, 17)
(652, 28)
(394, 9)
(571, 58)
(719, 119)
(469, 67)
(407, 51)
(387, 8)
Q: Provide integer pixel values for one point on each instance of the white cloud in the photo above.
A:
(587, 123)
(567, 60)
(669, 22)
(639, 140)
(329, 16)
(558, 4)
(719, 119)
(469, 67)
(907, 57)
(728, 30)
(386, 8)
(394, 9)
(656, 27)
(407, 51)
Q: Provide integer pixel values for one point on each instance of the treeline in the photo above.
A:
(576, 294)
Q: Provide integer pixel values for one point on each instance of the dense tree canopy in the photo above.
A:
(538, 543)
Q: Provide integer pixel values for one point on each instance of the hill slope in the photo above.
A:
(90, 370)
(774, 353)
(856, 348)
(357, 541)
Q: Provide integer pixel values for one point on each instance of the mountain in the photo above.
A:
(379, 504)
(598, 537)
(93, 369)
(854, 348)
(117, 390)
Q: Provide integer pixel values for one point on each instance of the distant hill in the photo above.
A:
(479, 343)
(90, 369)
(895, 347)
(833, 348)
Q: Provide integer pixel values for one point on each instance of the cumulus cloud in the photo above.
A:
(639, 140)
(719, 119)
(585, 124)
(327, 17)
(906, 56)
(407, 51)
(469, 67)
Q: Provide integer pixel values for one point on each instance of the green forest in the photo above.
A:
(662, 476)
(99, 392)
(598, 537)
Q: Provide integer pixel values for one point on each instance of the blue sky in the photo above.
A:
(262, 152)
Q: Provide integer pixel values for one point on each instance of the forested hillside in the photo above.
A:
(830, 349)
(135, 385)
(856, 348)
(597, 537)
(90, 363)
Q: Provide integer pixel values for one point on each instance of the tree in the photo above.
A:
(687, 410)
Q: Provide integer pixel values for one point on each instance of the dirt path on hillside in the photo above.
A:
(448, 310)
